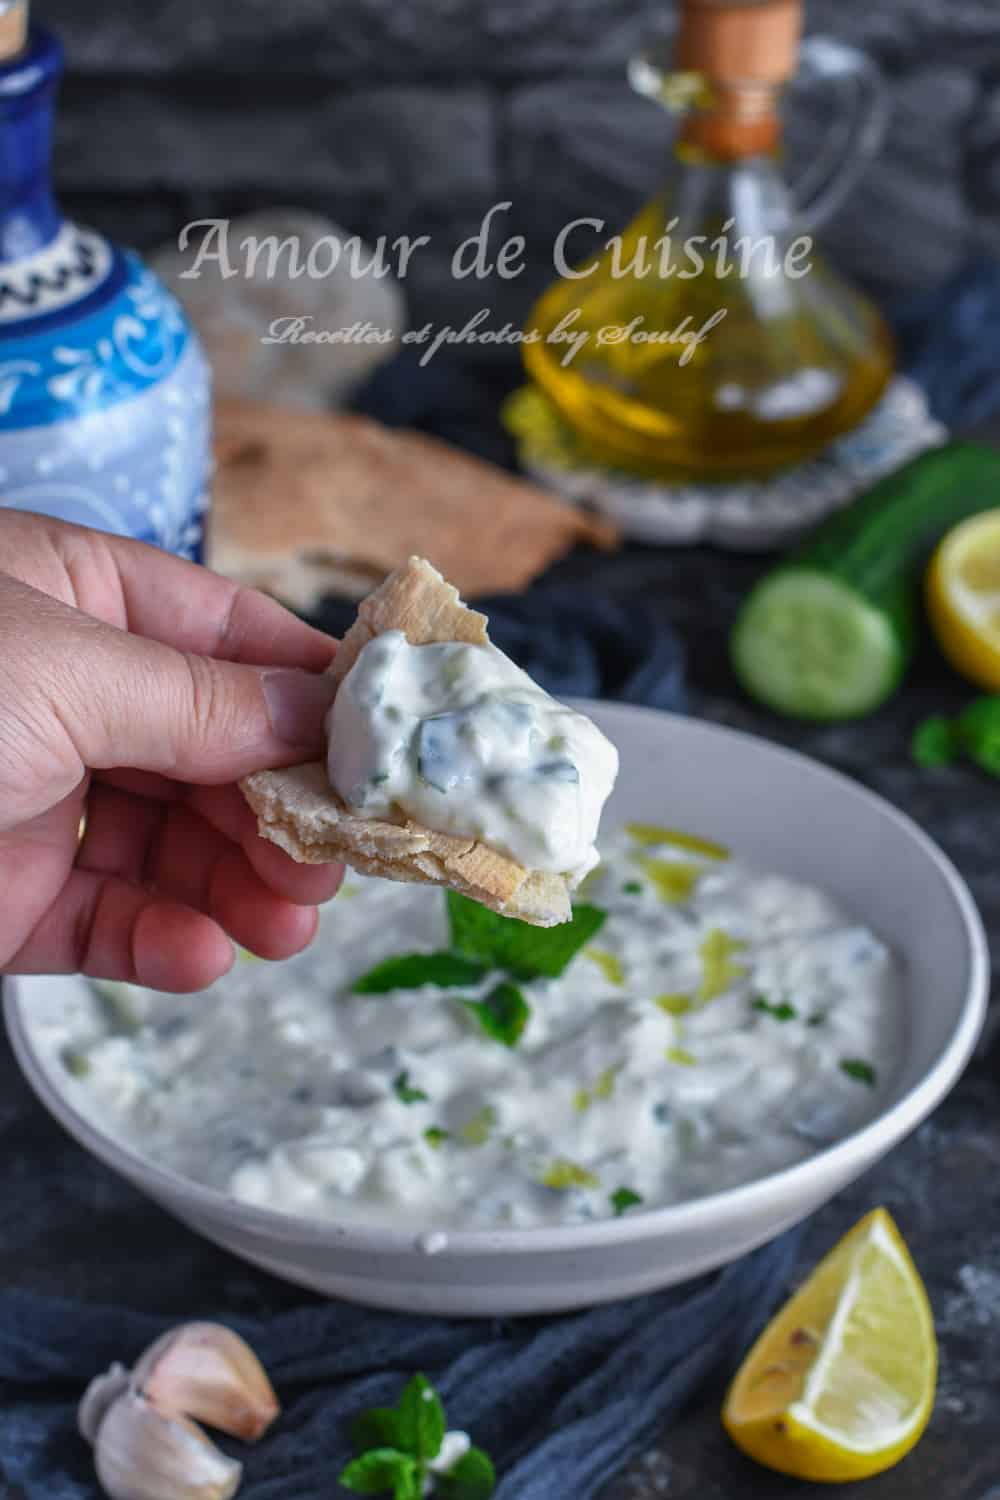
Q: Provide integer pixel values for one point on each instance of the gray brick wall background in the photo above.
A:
(414, 116)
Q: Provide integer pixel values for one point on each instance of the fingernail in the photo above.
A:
(297, 703)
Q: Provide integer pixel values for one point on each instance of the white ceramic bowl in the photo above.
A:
(785, 813)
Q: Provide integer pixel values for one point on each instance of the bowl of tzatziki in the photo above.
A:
(770, 979)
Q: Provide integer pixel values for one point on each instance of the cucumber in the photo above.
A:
(828, 634)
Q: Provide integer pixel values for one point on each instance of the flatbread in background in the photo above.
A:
(298, 809)
(310, 503)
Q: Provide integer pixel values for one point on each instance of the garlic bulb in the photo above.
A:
(147, 1445)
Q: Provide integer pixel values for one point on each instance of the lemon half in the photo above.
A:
(840, 1384)
(963, 598)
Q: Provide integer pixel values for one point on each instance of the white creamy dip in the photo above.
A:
(722, 1024)
(461, 739)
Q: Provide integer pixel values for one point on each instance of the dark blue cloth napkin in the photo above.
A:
(560, 1402)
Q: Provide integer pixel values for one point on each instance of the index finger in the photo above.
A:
(193, 609)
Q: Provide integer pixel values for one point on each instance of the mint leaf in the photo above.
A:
(624, 1198)
(401, 1085)
(861, 1072)
(936, 742)
(409, 1484)
(781, 1012)
(507, 943)
(376, 1428)
(979, 731)
(435, 1136)
(473, 1477)
(411, 970)
(632, 887)
(421, 1419)
(382, 1471)
(503, 1015)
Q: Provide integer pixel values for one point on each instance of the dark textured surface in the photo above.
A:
(943, 1185)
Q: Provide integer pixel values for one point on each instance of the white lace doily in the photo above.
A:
(757, 514)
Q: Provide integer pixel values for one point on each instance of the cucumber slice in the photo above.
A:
(810, 646)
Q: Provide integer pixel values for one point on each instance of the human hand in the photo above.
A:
(137, 688)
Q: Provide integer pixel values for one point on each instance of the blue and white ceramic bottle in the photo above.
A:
(104, 390)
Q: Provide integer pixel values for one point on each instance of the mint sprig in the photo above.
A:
(503, 1014)
(383, 1471)
(411, 970)
(396, 1447)
(525, 951)
(939, 741)
(472, 1478)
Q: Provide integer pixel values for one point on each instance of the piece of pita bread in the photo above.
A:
(312, 503)
(298, 810)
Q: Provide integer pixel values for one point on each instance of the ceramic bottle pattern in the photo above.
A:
(104, 390)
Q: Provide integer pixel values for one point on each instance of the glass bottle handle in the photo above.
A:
(850, 143)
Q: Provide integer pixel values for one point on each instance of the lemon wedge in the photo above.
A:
(963, 598)
(840, 1384)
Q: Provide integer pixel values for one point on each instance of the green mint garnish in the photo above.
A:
(935, 742)
(507, 943)
(632, 887)
(421, 1419)
(411, 970)
(624, 1198)
(435, 1136)
(395, 1446)
(979, 732)
(472, 1478)
(862, 1072)
(383, 1471)
(401, 1085)
(781, 1012)
(939, 741)
(503, 1015)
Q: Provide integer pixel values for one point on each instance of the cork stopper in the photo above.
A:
(745, 49)
(13, 28)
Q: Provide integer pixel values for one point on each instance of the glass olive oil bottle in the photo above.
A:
(710, 339)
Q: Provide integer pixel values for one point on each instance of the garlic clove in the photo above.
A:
(205, 1371)
(140, 1454)
(98, 1397)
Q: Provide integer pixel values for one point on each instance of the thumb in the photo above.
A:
(127, 701)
